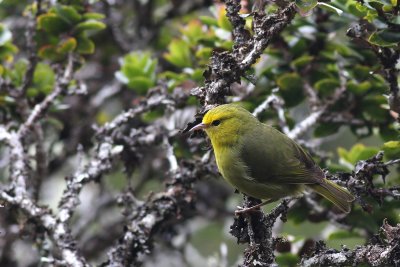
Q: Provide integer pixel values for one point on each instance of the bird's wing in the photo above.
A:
(272, 157)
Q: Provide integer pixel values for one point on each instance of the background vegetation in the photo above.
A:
(96, 96)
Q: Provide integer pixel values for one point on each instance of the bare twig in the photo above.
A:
(100, 164)
(31, 48)
(39, 109)
(41, 161)
(305, 124)
(276, 103)
(152, 101)
(316, 115)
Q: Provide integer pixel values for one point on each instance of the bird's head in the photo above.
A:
(226, 123)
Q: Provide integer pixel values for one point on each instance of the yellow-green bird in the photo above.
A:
(262, 162)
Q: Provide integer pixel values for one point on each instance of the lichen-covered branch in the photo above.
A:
(256, 229)
(154, 100)
(360, 181)
(160, 211)
(388, 58)
(39, 109)
(225, 67)
(385, 252)
(58, 231)
(17, 195)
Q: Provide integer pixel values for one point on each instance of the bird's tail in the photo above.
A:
(335, 194)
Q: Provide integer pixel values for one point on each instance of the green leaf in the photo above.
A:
(85, 45)
(343, 153)
(302, 61)
(132, 70)
(32, 92)
(93, 15)
(356, 9)
(287, 259)
(138, 64)
(67, 45)
(179, 54)
(344, 49)
(210, 21)
(68, 14)
(43, 78)
(291, 88)
(392, 149)
(388, 132)
(204, 53)
(193, 31)
(7, 51)
(358, 88)
(299, 47)
(385, 38)
(333, 167)
(52, 23)
(387, 8)
(341, 234)
(325, 129)
(18, 72)
(197, 75)
(92, 25)
(305, 6)
(392, 145)
(366, 153)
(222, 19)
(49, 52)
(361, 72)
(363, 220)
(330, 8)
(297, 215)
(356, 153)
(326, 86)
(138, 71)
(140, 84)
(373, 108)
(371, 15)
(376, 4)
(320, 74)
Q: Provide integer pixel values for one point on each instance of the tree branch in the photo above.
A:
(61, 84)
(256, 229)
(227, 68)
(385, 253)
(158, 212)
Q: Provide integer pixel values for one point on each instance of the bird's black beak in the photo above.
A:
(199, 126)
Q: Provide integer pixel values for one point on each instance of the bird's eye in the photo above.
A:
(216, 123)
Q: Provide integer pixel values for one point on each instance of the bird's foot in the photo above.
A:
(242, 210)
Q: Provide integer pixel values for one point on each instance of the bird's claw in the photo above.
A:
(242, 210)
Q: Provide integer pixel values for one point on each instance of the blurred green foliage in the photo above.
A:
(138, 71)
(66, 28)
